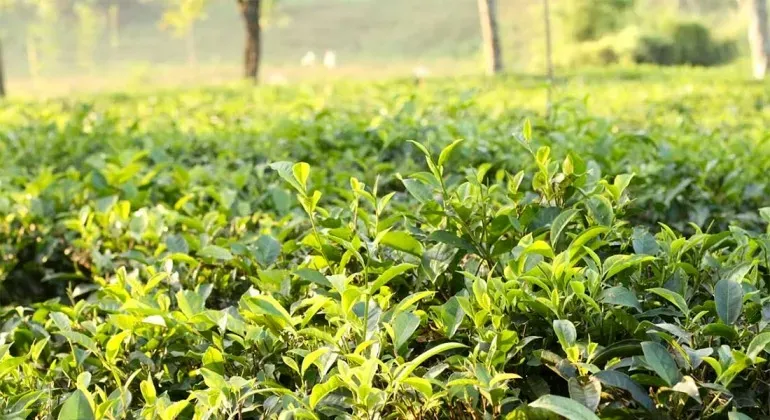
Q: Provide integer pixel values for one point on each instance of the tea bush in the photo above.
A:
(679, 43)
(290, 253)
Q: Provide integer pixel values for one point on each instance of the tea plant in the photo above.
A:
(180, 270)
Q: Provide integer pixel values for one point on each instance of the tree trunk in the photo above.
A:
(759, 37)
(491, 36)
(250, 12)
(2, 75)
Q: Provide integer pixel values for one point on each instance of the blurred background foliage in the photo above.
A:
(62, 46)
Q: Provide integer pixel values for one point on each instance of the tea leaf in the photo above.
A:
(564, 407)
(661, 362)
(447, 152)
(757, 345)
(587, 393)
(215, 252)
(565, 332)
(321, 390)
(76, 407)
(672, 297)
(560, 223)
(619, 295)
(402, 241)
(729, 300)
(620, 380)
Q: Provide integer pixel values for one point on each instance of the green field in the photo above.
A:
(291, 251)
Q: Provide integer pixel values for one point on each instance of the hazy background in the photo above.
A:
(127, 46)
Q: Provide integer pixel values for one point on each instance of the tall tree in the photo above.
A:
(183, 13)
(250, 10)
(491, 36)
(181, 17)
(4, 4)
(759, 37)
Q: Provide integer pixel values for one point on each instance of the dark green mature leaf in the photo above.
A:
(644, 243)
(451, 239)
(215, 252)
(737, 415)
(313, 277)
(621, 380)
(620, 295)
(177, 244)
(560, 223)
(720, 330)
(76, 407)
(600, 209)
(564, 407)
(661, 362)
(728, 295)
(623, 348)
(267, 251)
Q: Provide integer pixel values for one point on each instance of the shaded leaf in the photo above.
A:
(661, 361)
(728, 295)
(564, 407)
(621, 380)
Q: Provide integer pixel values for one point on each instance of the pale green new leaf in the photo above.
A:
(402, 241)
(409, 367)
(321, 390)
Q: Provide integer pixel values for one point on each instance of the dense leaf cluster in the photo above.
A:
(166, 266)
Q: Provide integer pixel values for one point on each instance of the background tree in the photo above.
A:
(251, 12)
(89, 29)
(182, 17)
(183, 13)
(491, 36)
(759, 38)
(4, 4)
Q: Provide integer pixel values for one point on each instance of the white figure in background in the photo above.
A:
(421, 72)
(330, 59)
(308, 59)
